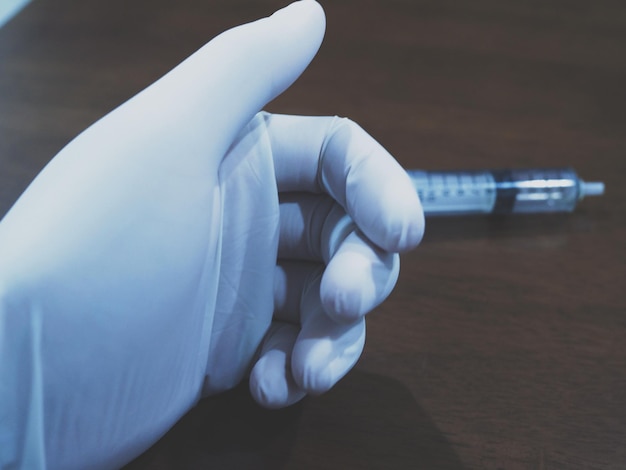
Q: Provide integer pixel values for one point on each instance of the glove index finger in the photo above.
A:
(372, 186)
(337, 156)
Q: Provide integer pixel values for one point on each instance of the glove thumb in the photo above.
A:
(207, 99)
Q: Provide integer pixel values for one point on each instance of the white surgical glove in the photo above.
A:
(331, 271)
(139, 270)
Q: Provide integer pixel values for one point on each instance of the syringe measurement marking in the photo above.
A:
(501, 191)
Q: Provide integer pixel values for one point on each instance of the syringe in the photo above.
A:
(509, 191)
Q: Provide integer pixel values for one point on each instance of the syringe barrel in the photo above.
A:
(497, 191)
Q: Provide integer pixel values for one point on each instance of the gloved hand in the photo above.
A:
(139, 270)
(331, 271)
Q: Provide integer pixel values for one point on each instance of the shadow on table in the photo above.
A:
(442, 229)
(366, 421)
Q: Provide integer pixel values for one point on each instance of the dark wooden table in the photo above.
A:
(504, 344)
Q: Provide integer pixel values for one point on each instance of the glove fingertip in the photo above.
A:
(270, 386)
(399, 223)
(271, 383)
(299, 31)
(357, 279)
(344, 299)
(326, 354)
(306, 370)
(406, 230)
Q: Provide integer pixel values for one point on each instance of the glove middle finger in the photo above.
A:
(358, 275)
